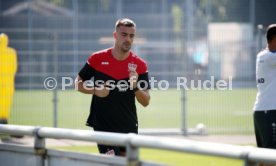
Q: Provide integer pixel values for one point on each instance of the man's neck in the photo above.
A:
(119, 55)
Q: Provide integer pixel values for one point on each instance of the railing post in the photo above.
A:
(245, 157)
(39, 146)
(132, 153)
(249, 163)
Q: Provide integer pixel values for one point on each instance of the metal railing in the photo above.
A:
(250, 155)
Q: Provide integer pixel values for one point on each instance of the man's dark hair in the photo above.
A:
(271, 32)
(124, 22)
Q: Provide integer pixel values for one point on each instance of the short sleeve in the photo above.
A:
(143, 81)
(87, 72)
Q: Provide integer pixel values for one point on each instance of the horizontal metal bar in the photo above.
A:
(17, 130)
(184, 145)
(17, 149)
(84, 135)
(262, 155)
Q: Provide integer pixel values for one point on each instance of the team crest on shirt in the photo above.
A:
(132, 66)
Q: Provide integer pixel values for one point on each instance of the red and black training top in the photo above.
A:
(117, 111)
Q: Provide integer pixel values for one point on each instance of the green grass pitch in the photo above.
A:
(223, 112)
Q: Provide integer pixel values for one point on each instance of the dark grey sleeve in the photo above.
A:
(143, 81)
(87, 72)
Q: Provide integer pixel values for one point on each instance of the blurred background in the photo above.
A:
(195, 39)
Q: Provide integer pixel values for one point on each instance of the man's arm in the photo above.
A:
(81, 86)
(143, 97)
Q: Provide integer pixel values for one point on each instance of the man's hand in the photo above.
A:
(100, 91)
(142, 96)
(133, 78)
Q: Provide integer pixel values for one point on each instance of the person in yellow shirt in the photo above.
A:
(8, 67)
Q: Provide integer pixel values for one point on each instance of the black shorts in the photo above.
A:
(265, 128)
(116, 150)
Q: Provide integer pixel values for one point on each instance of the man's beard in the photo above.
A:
(125, 48)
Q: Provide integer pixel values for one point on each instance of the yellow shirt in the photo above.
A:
(8, 65)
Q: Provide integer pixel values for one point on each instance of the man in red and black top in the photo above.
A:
(119, 76)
